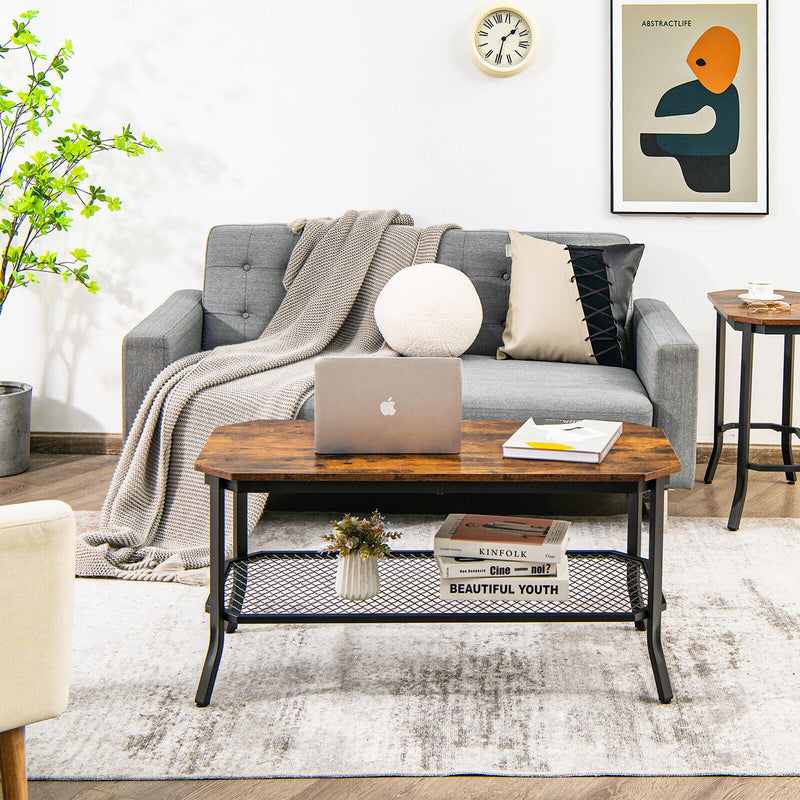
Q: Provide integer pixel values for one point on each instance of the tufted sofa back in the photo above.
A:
(244, 270)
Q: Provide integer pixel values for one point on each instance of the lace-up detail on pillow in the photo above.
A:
(591, 275)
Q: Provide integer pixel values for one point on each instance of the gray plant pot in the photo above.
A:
(15, 427)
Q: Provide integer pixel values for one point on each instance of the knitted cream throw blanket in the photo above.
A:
(154, 522)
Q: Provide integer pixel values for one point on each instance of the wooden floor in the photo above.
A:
(82, 481)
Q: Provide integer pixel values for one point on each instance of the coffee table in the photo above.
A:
(278, 455)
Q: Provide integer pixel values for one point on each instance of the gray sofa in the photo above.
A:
(242, 289)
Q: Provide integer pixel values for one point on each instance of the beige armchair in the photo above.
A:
(37, 569)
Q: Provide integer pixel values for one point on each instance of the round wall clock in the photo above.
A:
(502, 39)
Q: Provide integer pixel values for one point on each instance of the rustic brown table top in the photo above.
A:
(283, 450)
(728, 304)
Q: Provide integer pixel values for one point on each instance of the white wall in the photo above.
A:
(268, 111)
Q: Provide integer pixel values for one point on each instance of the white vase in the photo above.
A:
(356, 577)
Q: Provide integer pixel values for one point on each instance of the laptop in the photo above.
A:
(387, 405)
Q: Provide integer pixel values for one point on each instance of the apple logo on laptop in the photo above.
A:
(387, 408)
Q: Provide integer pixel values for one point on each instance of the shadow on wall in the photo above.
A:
(67, 323)
(156, 243)
(60, 416)
(138, 256)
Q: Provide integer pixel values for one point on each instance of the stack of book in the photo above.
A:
(502, 558)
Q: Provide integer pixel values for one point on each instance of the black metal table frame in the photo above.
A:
(222, 620)
(744, 425)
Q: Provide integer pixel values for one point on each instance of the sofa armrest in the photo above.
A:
(170, 332)
(667, 366)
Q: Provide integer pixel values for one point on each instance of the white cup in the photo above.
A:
(760, 290)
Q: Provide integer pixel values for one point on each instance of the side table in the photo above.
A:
(732, 311)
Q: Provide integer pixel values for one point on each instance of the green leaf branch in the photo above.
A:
(42, 193)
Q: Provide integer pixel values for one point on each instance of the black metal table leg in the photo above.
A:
(216, 600)
(719, 400)
(655, 563)
(634, 524)
(635, 549)
(743, 447)
(239, 552)
(788, 398)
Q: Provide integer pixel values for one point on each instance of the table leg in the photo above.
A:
(788, 398)
(634, 524)
(719, 400)
(654, 595)
(635, 549)
(239, 552)
(215, 599)
(743, 447)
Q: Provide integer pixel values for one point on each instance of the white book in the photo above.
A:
(586, 440)
(530, 588)
(468, 567)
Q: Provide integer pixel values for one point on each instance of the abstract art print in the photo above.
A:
(689, 107)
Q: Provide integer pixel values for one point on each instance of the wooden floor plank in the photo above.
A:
(92, 794)
(61, 790)
(82, 480)
(163, 790)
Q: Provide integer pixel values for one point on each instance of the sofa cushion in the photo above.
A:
(245, 265)
(519, 389)
(568, 303)
(243, 284)
(510, 389)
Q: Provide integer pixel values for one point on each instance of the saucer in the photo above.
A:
(746, 298)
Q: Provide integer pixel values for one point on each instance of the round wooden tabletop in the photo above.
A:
(734, 309)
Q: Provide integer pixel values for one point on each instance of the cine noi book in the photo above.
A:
(536, 588)
(583, 440)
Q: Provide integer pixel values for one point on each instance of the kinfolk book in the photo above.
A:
(502, 538)
(525, 588)
(585, 440)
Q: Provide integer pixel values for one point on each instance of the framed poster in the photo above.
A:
(689, 107)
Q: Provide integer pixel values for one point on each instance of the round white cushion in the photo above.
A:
(429, 310)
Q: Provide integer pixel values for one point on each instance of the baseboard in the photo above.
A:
(759, 453)
(95, 444)
(110, 444)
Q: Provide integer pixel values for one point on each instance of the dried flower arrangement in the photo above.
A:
(365, 537)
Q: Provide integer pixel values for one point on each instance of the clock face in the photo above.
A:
(503, 41)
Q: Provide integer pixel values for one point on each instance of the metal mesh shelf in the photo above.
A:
(299, 586)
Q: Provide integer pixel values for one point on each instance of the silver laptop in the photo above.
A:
(387, 405)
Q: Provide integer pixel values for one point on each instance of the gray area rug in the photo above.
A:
(369, 700)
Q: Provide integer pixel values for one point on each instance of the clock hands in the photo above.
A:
(503, 41)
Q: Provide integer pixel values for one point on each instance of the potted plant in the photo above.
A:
(40, 191)
(359, 543)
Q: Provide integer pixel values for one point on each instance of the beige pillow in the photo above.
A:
(545, 316)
